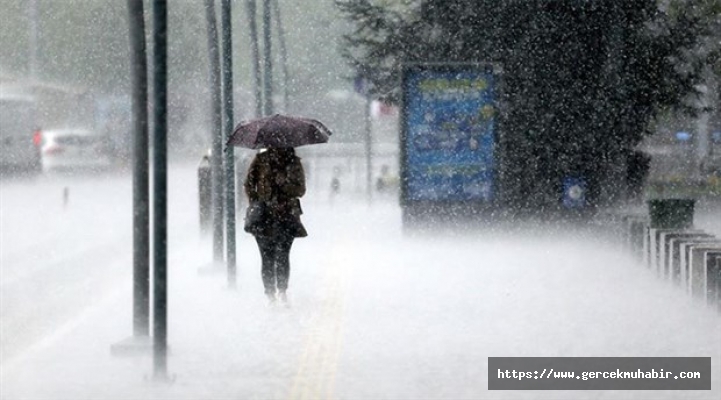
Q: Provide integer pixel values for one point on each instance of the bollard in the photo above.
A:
(204, 194)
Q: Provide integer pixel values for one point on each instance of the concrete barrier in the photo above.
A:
(666, 242)
(704, 279)
(657, 247)
(634, 227)
(685, 254)
(716, 276)
(669, 251)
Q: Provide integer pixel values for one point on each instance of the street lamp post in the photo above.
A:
(216, 161)
(267, 60)
(227, 71)
(255, 55)
(160, 191)
(141, 196)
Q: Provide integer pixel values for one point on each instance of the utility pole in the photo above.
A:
(362, 86)
(708, 102)
(160, 191)
(227, 70)
(216, 161)
(368, 144)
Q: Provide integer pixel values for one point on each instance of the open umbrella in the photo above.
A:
(278, 131)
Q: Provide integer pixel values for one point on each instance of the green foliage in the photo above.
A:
(582, 78)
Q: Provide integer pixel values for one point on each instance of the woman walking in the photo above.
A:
(274, 185)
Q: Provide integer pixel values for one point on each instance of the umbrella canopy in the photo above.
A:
(279, 131)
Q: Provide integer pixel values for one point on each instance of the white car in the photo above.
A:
(74, 149)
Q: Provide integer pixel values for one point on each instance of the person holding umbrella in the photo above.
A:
(276, 180)
(274, 185)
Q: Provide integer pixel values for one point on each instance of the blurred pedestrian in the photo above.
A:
(384, 181)
(387, 183)
(274, 185)
(335, 183)
(66, 197)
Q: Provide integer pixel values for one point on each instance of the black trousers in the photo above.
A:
(275, 256)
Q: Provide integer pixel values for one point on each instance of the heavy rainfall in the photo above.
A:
(502, 180)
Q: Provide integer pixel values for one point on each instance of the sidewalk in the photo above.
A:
(374, 315)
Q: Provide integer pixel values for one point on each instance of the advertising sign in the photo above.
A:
(448, 135)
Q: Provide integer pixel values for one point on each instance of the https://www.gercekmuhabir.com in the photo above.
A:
(599, 373)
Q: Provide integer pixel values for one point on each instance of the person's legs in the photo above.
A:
(282, 257)
(267, 254)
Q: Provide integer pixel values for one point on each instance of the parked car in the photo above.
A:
(74, 149)
(19, 138)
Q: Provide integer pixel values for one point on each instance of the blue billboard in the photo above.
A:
(448, 133)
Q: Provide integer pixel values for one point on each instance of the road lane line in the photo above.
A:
(338, 345)
(318, 363)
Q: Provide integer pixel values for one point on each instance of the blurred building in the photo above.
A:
(59, 105)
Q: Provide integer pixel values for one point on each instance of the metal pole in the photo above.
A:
(216, 161)
(255, 55)
(707, 101)
(267, 61)
(141, 195)
(368, 139)
(610, 190)
(33, 49)
(160, 191)
(283, 52)
(227, 70)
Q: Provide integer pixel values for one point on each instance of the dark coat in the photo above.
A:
(278, 182)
